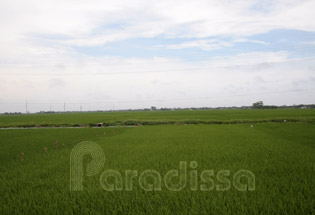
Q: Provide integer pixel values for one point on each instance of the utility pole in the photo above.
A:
(50, 108)
(80, 108)
(26, 107)
(64, 107)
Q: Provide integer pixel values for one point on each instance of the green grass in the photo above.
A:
(116, 118)
(281, 155)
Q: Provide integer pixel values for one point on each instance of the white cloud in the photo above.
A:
(310, 43)
(37, 38)
(89, 23)
(210, 44)
(56, 82)
(244, 40)
(202, 44)
(176, 82)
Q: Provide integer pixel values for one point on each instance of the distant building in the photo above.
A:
(153, 108)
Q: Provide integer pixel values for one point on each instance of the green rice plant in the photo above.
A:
(280, 155)
(164, 117)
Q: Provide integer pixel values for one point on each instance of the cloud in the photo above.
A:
(308, 43)
(206, 19)
(210, 44)
(202, 44)
(90, 23)
(39, 39)
(56, 82)
(174, 81)
(50, 29)
(244, 40)
(251, 59)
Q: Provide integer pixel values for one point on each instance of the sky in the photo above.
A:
(104, 55)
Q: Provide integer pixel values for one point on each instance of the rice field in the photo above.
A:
(35, 164)
(182, 116)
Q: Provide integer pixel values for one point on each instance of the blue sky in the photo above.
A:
(130, 54)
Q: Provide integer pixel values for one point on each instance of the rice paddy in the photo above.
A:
(156, 117)
(35, 163)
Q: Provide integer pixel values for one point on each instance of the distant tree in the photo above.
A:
(259, 104)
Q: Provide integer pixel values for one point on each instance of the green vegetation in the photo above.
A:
(281, 155)
(157, 117)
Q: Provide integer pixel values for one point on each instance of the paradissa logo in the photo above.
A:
(151, 180)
